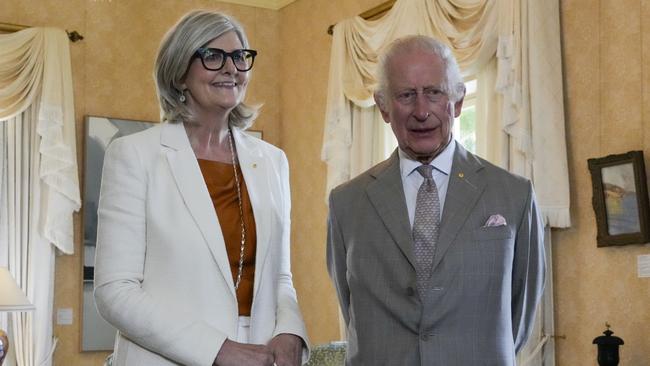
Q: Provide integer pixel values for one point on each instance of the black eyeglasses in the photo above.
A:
(215, 58)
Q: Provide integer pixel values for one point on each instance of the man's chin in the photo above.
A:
(421, 156)
(425, 156)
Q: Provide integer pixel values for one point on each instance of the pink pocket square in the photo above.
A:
(495, 220)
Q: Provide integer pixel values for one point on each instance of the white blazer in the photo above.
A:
(162, 275)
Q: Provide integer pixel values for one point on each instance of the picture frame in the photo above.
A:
(620, 199)
(255, 133)
(96, 333)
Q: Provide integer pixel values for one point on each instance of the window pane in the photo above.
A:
(470, 88)
(465, 128)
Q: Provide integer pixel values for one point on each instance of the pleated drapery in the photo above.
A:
(523, 36)
(39, 188)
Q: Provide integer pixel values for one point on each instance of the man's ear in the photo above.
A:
(381, 104)
(458, 106)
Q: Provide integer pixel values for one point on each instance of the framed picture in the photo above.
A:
(620, 199)
(255, 133)
(96, 333)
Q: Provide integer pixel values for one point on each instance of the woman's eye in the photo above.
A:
(211, 56)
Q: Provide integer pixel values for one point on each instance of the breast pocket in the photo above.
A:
(493, 233)
(488, 256)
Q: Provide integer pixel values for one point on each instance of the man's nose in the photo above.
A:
(422, 108)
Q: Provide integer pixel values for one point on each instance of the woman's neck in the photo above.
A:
(209, 138)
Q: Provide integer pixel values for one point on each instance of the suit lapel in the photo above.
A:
(256, 169)
(191, 185)
(386, 194)
(466, 185)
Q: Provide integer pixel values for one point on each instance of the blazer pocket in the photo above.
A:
(492, 233)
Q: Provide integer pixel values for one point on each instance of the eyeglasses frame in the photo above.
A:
(201, 51)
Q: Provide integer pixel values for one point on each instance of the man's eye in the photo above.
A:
(406, 95)
(434, 95)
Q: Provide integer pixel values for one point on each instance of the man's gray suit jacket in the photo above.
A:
(486, 281)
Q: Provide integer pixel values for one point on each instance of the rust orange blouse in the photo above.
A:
(220, 180)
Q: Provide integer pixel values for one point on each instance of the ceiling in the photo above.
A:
(267, 4)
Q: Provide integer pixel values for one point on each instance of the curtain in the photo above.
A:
(370, 142)
(524, 36)
(513, 48)
(356, 44)
(540, 349)
(39, 188)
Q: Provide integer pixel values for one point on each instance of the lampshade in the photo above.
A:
(12, 297)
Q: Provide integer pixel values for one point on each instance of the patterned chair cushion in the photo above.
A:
(332, 354)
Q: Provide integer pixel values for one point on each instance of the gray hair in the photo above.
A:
(454, 86)
(194, 30)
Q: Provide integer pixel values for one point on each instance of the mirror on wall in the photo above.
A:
(96, 333)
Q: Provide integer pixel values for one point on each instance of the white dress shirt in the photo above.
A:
(411, 179)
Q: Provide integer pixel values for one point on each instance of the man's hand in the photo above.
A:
(287, 349)
(237, 354)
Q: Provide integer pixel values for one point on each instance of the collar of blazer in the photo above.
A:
(189, 180)
(466, 185)
(386, 193)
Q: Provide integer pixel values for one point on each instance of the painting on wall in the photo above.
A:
(96, 333)
(620, 199)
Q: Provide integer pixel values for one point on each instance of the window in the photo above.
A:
(465, 125)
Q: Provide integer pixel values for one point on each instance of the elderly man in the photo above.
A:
(437, 255)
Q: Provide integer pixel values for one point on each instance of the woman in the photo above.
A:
(192, 261)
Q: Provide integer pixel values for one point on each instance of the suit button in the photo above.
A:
(424, 337)
(410, 291)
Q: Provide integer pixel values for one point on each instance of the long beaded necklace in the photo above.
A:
(241, 211)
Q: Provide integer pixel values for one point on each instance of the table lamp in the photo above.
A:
(12, 298)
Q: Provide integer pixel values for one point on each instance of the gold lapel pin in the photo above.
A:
(461, 175)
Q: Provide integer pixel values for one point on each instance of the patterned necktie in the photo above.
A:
(425, 227)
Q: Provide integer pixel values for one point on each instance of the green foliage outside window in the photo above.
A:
(467, 123)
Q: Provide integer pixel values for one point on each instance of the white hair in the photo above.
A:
(179, 45)
(454, 86)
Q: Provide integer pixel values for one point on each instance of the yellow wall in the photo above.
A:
(607, 98)
(606, 48)
(304, 92)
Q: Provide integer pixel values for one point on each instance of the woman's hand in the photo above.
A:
(287, 349)
(237, 354)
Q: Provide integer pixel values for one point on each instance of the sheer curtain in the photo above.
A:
(513, 46)
(39, 188)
